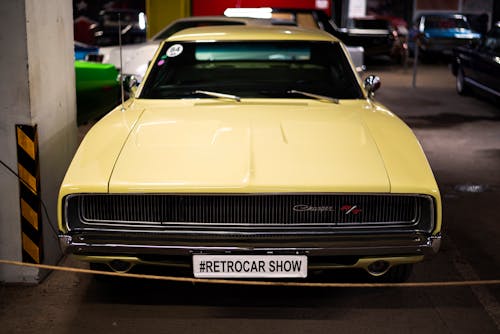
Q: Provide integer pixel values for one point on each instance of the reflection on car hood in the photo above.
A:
(209, 144)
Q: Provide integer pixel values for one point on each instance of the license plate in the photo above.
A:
(249, 266)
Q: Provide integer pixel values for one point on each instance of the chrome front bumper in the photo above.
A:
(376, 245)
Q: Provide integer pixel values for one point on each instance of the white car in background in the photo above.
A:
(136, 57)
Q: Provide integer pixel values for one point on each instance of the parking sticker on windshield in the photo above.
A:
(174, 50)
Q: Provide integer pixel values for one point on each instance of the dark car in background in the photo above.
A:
(132, 22)
(438, 34)
(388, 26)
(478, 66)
(375, 42)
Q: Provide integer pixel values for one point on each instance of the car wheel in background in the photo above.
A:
(461, 85)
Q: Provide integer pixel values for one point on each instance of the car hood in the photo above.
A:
(209, 145)
(260, 146)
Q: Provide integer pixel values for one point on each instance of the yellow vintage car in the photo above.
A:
(252, 152)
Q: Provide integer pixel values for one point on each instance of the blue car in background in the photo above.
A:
(439, 34)
(82, 50)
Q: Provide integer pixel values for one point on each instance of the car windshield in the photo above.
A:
(270, 69)
(445, 23)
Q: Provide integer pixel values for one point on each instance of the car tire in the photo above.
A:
(397, 274)
(461, 85)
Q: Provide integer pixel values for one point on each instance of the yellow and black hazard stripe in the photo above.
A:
(29, 192)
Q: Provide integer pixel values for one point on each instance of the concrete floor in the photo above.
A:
(461, 137)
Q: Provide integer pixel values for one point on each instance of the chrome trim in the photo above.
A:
(240, 226)
(254, 194)
(376, 245)
(65, 212)
(481, 86)
(65, 242)
(281, 232)
(243, 226)
(435, 242)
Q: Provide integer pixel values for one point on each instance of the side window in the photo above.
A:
(491, 42)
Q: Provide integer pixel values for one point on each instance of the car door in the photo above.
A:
(488, 62)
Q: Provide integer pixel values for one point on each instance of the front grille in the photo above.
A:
(246, 211)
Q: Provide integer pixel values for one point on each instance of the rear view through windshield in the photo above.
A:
(270, 69)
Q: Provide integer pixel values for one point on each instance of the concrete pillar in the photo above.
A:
(37, 86)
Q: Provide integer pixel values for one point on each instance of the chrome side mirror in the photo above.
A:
(372, 83)
(130, 84)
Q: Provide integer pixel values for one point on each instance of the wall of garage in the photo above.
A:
(160, 13)
(37, 88)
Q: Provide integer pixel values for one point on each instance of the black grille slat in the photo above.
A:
(249, 210)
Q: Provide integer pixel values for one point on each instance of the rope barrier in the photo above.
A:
(258, 283)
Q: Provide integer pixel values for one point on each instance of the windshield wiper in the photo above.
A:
(218, 95)
(314, 96)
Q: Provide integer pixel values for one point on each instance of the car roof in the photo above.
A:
(213, 19)
(251, 33)
(246, 20)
